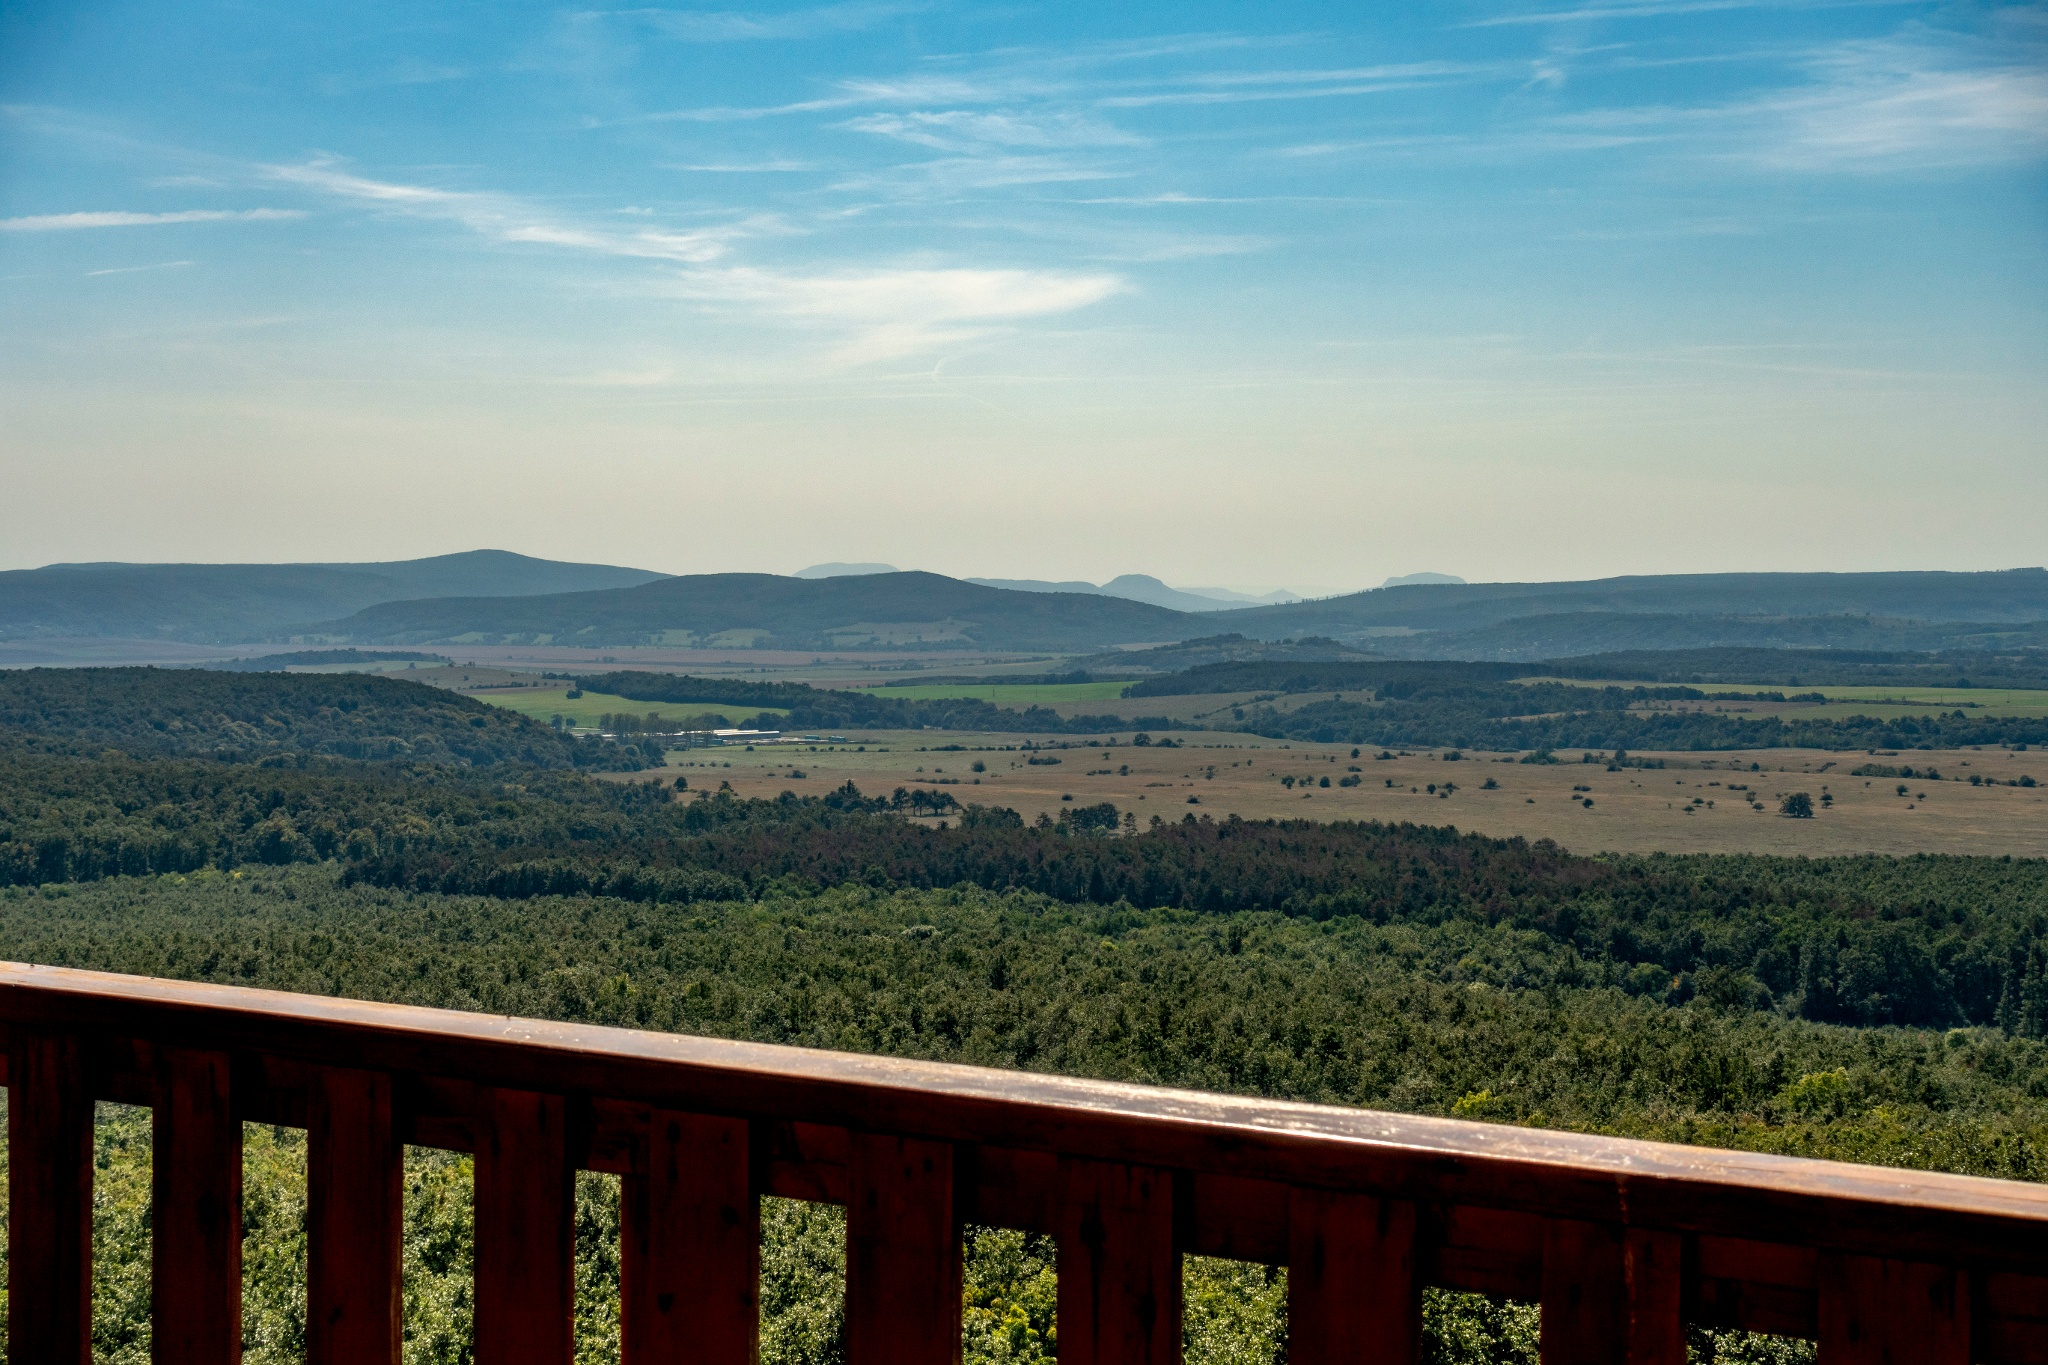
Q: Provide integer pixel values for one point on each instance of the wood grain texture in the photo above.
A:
(1997, 1224)
(354, 1218)
(1611, 1296)
(1119, 1266)
(902, 1253)
(196, 1213)
(690, 1246)
(1353, 1293)
(49, 1192)
(525, 1232)
(1877, 1311)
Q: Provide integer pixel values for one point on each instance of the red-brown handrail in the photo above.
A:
(1622, 1242)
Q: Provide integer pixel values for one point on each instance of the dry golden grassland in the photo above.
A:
(1695, 803)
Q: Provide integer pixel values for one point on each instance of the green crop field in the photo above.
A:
(544, 704)
(1010, 694)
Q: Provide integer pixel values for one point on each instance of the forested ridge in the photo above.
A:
(1925, 940)
(817, 708)
(250, 716)
(1429, 703)
(1890, 1010)
(1547, 715)
(1465, 1018)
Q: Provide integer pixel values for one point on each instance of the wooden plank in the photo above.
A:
(195, 1212)
(525, 1232)
(1755, 1286)
(1487, 1251)
(902, 1253)
(1353, 1290)
(1119, 1266)
(1239, 1220)
(1014, 1189)
(1611, 1295)
(1861, 1210)
(354, 1220)
(690, 1246)
(1878, 1311)
(1653, 1265)
(2010, 1320)
(49, 1193)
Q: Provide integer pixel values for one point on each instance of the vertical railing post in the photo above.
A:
(902, 1253)
(49, 1192)
(1875, 1311)
(1352, 1289)
(690, 1246)
(354, 1198)
(525, 1232)
(1119, 1266)
(1611, 1295)
(196, 1213)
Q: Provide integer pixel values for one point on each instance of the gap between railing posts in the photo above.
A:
(1621, 1243)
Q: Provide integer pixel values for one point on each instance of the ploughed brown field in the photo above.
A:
(1696, 803)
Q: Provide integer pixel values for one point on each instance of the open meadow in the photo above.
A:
(1693, 803)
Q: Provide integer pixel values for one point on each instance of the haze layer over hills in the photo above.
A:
(210, 603)
(494, 597)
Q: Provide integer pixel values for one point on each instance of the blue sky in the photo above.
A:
(1298, 295)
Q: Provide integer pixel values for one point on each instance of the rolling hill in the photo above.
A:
(231, 603)
(769, 611)
(247, 717)
(1886, 611)
(1140, 587)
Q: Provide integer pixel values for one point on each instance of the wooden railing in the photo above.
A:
(1621, 1242)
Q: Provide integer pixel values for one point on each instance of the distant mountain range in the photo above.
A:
(490, 596)
(232, 603)
(1883, 611)
(1138, 587)
(768, 611)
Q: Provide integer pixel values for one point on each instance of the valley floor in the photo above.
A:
(1695, 803)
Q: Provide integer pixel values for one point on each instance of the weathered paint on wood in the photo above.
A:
(902, 1253)
(49, 1192)
(1878, 1311)
(525, 1232)
(1855, 1209)
(1353, 1294)
(690, 1245)
(1119, 1266)
(1611, 1296)
(354, 1219)
(1503, 1210)
(195, 1213)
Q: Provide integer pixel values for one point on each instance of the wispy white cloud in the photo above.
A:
(729, 26)
(506, 218)
(1892, 104)
(137, 269)
(878, 313)
(1916, 102)
(890, 313)
(1895, 104)
(1658, 9)
(768, 166)
(66, 222)
(960, 130)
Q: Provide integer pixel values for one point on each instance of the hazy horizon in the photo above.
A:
(1296, 297)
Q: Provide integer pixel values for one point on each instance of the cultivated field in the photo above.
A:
(1696, 803)
(545, 703)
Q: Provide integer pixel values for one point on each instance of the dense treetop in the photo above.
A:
(249, 716)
